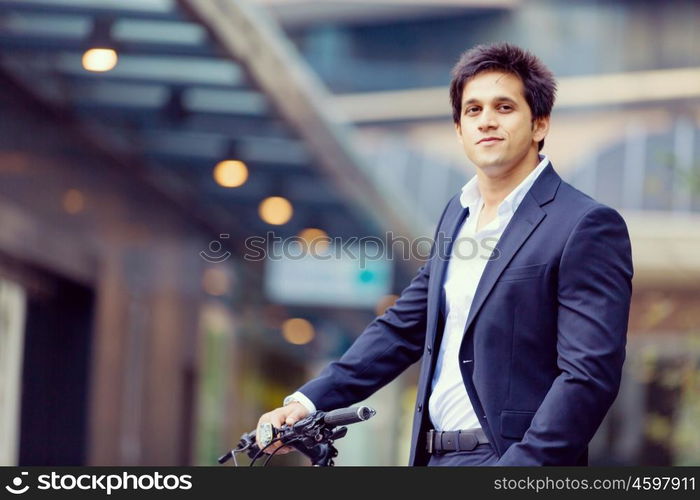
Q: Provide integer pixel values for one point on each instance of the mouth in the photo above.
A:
(489, 140)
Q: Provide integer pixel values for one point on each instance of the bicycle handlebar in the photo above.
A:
(313, 435)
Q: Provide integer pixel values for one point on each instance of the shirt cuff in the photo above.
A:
(298, 396)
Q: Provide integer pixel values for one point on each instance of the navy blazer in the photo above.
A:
(544, 342)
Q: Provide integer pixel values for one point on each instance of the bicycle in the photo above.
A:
(313, 436)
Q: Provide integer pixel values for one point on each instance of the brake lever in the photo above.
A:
(338, 433)
(246, 443)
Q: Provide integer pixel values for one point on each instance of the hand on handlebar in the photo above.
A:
(285, 415)
(292, 427)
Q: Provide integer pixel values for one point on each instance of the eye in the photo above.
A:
(505, 107)
(471, 110)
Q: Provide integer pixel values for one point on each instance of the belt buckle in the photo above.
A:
(431, 437)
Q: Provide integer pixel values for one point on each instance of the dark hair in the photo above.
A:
(538, 81)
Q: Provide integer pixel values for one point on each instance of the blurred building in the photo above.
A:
(140, 150)
(139, 323)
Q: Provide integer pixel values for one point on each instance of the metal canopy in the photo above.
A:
(179, 101)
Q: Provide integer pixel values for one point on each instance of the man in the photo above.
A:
(522, 351)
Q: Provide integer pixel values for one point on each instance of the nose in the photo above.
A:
(487, 120)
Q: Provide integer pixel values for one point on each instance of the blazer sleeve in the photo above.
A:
(390, 344)
(594, 294)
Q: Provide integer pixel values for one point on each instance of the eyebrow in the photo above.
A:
(497, 99)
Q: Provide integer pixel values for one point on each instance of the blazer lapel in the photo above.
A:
(525, 219)
(450, 231)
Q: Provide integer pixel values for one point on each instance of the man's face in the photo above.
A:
(496, 127)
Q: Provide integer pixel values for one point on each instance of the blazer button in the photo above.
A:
(420, 407)
(430, 350)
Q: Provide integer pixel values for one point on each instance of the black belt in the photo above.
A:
(455, 440)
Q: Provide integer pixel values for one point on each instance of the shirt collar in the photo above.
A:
(471, 194)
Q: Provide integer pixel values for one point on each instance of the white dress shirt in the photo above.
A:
(449, 404)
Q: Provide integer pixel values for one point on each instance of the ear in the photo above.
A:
(540, 127)
(458, 131)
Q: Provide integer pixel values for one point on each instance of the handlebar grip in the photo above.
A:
(347, 416)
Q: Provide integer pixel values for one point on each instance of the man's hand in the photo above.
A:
(289, 415)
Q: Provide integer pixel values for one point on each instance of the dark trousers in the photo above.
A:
(482, 455)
